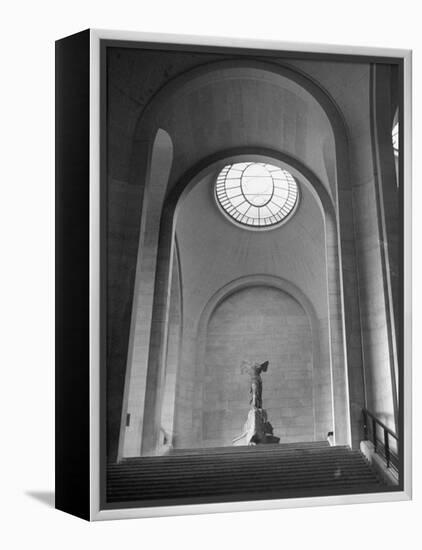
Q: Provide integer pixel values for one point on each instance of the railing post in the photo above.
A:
(374, 433)
(371, 423)
(365, 425)
(387, 448)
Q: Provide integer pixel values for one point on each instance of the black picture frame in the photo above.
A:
(81, 272)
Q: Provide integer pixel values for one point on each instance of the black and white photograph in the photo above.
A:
(210, 299)
(252, 274)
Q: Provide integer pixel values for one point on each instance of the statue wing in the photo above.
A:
(264, 366)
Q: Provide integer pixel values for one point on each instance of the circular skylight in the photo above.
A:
(256, 194)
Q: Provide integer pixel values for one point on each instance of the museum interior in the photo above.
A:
(254, 264)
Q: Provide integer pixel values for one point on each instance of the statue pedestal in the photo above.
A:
(256, 430)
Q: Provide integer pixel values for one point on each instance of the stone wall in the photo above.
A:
(258, 324)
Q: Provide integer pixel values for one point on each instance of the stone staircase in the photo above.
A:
(242, 473)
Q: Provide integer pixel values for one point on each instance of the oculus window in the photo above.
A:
(256, 194)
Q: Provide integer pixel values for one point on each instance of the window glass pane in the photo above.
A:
(255, 193)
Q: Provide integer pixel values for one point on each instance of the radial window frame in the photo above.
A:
(230, 195)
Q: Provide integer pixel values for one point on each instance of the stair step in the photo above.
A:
(275, 472)
(219, 468)
(185, 459)
(251, 448)
(276, 477)
(236, 494)
(282, 469)
(304, 464)
(204, 486)
(215, 491)
(245, 452)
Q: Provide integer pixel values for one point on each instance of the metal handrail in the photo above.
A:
(383, 426)
(381, 447)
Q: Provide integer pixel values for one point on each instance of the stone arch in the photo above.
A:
(337, 359)
(150, 117)
(323, 412)
(159, 166)
(340, 219)
(255, 280)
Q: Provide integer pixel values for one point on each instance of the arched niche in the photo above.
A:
(335, 334)
(271, 317)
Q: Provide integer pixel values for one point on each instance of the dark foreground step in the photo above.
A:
(256, 490)
(277, 469)
(181, 492)
(297, 461)
(302, 467)
(258, 483)
(216, 477)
